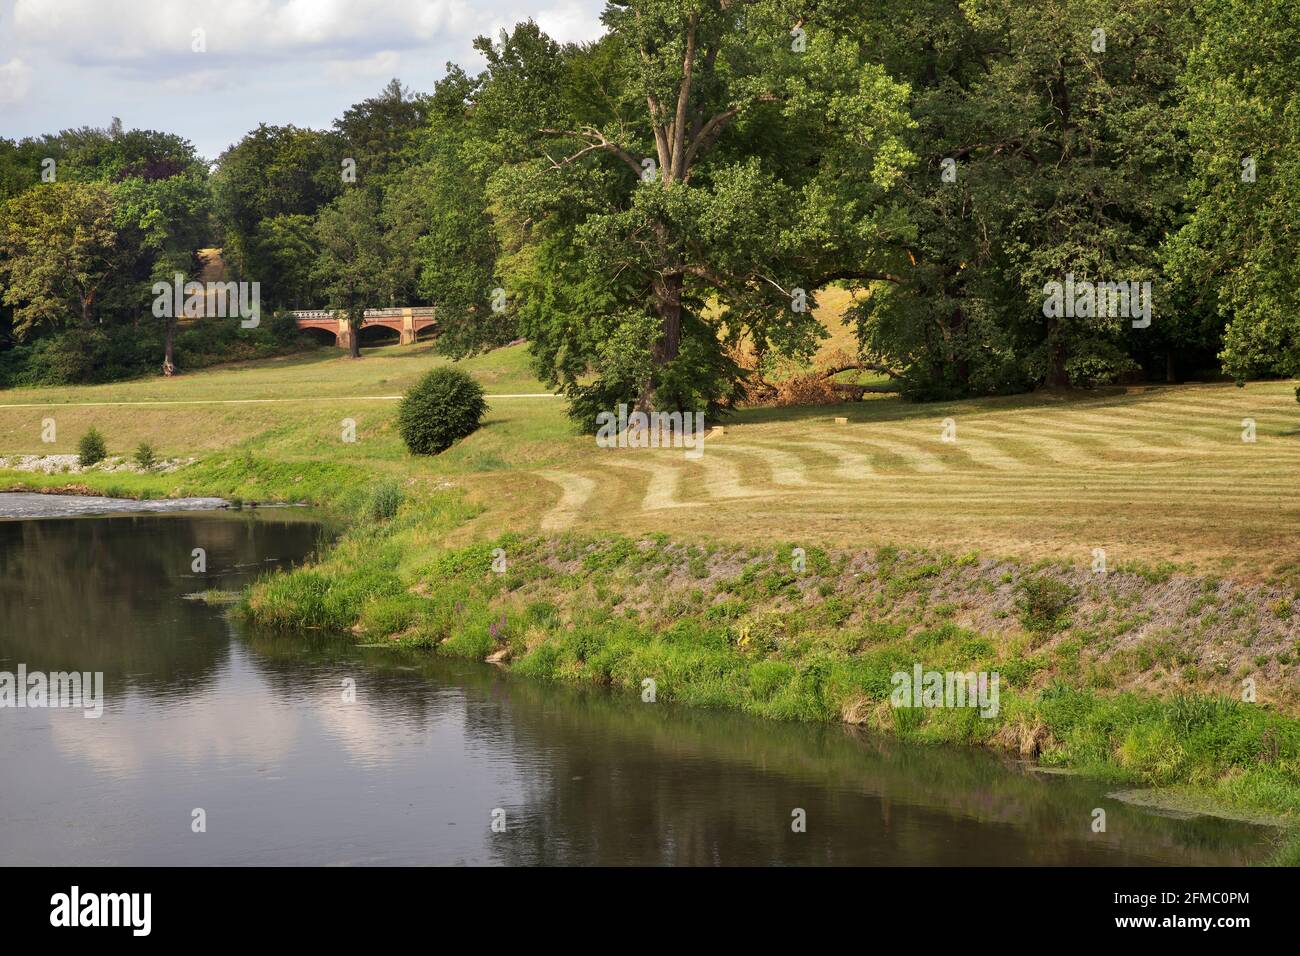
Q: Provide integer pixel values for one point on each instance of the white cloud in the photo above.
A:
(278, 61)
(144, 37)
(15, 81)
(142, 32)
(571, 21)
(382, 65)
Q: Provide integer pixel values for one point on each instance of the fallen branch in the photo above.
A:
(859, 367)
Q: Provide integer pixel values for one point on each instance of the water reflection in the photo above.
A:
(254, 729)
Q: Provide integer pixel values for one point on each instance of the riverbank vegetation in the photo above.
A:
(1137, 678)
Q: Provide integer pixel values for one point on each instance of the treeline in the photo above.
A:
(90, 219)
(692, 179)
(646, 208)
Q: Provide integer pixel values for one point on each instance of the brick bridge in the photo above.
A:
(408, 323)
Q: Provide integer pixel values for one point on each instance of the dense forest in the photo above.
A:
(642, 207)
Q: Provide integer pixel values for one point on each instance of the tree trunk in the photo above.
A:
(667, 291)
(962, 364)
(668, 303)
(1057, 375)
(169, 355)
(1170, 377)
(87, 310)
(354, 340)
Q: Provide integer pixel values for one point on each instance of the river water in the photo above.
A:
(253, 735)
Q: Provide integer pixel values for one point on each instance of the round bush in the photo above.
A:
(91, 449)
(440, 409)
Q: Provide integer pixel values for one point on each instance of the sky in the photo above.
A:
(71, 63)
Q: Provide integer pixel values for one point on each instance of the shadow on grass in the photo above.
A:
(892, 408)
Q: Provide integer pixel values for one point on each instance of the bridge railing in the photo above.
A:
(371, 315)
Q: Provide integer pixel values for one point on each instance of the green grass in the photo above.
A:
(1157, 477)
(285, 451)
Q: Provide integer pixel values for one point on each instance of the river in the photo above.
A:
(306, 749)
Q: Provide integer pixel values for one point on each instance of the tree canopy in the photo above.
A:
(656, 211)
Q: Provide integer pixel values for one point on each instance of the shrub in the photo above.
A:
(1044, 603)
(91, 449)
(440, 409)
(112, 352)
(144, 456)
(384, 500)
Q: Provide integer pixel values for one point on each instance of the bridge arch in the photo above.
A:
(318, 333)
(373, 334)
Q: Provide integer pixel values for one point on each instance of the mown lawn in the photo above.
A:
(1152, 475)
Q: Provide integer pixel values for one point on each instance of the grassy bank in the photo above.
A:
(741, 629)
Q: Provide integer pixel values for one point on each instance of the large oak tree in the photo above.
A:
(688, 181)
